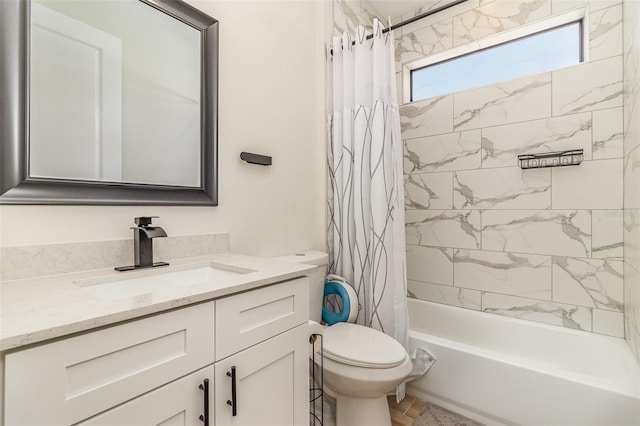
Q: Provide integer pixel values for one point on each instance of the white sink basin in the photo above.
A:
(145, 285)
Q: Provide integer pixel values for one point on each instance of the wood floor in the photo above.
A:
(405, 413)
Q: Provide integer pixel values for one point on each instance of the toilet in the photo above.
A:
(361, 365)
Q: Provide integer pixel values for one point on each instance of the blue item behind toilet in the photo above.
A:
(337, 288)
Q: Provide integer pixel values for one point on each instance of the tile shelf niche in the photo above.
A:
(551, 159)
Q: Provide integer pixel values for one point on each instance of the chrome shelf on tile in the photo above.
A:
(551, 159)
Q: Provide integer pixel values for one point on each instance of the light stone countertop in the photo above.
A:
(37, 309)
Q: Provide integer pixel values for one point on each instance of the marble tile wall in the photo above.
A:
(544, 245)
(348, 14)
(631, 69)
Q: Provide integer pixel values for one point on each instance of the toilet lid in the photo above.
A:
(361, 346)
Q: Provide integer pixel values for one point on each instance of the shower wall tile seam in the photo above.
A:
(608, 293)
(503, 294)
(498, 15)
(553, 296)
(486, 127)
(595, 24)
(553, 284)
(531, 298)
(592, 141)
(631, 265)
(490, 127)
(453, 251)
(420, 280)
(512, 209)
(528, 90)
(611, 259)
(603, 209)
(515, 166)
(631, 151)
(614, 258)
(551, 206)
(481, 228)
(591, 252)
(453, 94)
(579, 74)
(469, 299)
(531, 309)
(551, 13)
(499, 251)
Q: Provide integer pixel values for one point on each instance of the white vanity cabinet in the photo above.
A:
(72, 379)
(152, 370)
(266, 379)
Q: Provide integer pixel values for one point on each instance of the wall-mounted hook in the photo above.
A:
(249, 157)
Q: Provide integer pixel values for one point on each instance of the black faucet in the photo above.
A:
(143, 235)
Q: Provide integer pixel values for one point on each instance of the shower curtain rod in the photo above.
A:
(416, 18)
(421, 16)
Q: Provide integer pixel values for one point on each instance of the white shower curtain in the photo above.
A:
(366, 197)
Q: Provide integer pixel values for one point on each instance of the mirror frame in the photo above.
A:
(17, 187)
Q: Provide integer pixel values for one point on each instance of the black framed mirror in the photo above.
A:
(150, 141)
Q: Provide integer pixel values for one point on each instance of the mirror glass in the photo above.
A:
(114, 93)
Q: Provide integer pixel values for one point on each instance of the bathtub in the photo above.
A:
(502, 371)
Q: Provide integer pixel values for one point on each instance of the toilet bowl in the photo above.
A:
(361, 365)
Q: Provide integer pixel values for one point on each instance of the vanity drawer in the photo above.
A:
(244, 319)
(70, 380)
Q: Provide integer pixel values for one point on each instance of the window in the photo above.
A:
(533, 53)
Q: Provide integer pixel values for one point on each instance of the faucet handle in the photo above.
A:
(144, 220)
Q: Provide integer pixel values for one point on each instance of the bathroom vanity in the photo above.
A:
(229, 348)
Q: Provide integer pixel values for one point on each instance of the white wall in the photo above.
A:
(271, 102)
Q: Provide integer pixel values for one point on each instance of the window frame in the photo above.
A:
(576, 15)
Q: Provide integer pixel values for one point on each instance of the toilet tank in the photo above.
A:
(316, 277)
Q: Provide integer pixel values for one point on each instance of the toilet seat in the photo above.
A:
(360, 346)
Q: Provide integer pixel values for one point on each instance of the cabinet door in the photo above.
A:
(272, 382)
(178, 403)
(75, 378)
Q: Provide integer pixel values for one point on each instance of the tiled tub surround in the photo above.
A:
(348, 14)
(631, 66)
(541, 244)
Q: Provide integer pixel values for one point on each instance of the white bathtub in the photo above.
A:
(500, 370)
